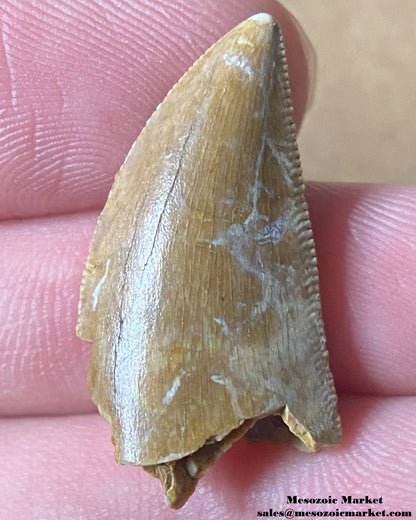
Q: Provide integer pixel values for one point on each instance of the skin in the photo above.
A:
(76, 87)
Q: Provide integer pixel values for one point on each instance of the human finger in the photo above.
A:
(80, 79)
(365, 237)
(63, 467)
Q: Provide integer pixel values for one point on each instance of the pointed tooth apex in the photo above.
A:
(262, 18)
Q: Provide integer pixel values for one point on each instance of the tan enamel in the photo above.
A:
(200, 295)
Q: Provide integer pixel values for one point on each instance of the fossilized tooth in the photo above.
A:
(200, 293)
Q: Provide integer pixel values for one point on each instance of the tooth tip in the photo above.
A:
(262, 18)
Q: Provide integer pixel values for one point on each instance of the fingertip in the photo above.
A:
(308, 62)
(67, 130)
(302, 60)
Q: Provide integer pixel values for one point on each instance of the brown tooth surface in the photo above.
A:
(200, 295)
